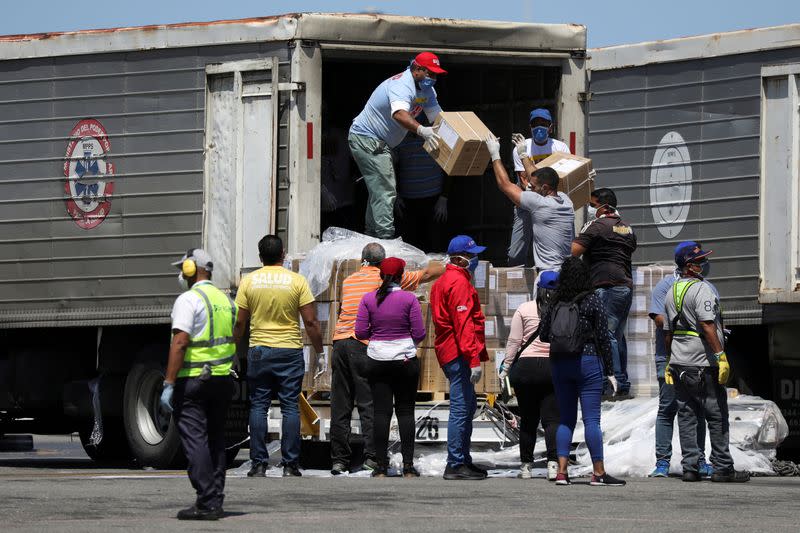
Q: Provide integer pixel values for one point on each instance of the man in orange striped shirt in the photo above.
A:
(349, 383)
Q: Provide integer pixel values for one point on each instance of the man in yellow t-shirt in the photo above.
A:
(271, 298)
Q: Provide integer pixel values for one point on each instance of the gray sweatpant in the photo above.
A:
(700, 395)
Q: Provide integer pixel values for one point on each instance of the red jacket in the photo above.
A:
(457, 318)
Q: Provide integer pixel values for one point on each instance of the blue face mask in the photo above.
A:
(540, 134)
(706, 269)
(473, 264)
(427, 83)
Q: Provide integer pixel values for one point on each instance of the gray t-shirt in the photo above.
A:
(553, 220)
(700, 304)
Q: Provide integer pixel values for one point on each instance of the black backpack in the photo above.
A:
(566, 337)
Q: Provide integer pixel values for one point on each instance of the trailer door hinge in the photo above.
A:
(584, 96)
(297, 86)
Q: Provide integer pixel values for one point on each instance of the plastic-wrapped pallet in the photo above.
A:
(640, 332)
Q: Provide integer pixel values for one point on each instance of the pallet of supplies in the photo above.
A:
(577, 176)
(462, 148)
(431, 375)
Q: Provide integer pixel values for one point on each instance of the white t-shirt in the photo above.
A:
(189, 312)
(537, 153)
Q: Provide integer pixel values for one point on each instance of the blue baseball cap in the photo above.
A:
(541, 112)
(464, 244)
(548, 280)
(690, 252)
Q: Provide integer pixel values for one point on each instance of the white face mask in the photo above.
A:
(182, 282)
(591, 211)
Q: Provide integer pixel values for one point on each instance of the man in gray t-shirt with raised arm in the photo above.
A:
(698, 366)
(551, 211)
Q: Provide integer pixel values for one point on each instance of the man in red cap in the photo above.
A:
(390, 113)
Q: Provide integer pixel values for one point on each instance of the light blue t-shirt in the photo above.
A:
(376, 121)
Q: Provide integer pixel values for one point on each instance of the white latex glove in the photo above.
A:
(503, 372)
(493, 144)
(166, 397)
(614, 384)
(430, 136)
(520, 145)
(440, 210)
(399, 207)
(322, 364)
(475, 374)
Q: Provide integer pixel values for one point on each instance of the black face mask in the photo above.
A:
(706, 269)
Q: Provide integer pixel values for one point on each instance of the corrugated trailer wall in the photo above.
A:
(56, 268)
(679, 143)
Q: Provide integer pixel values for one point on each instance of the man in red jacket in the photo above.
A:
(460, 347)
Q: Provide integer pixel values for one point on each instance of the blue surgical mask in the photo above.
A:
(540, 134)
(473, 264)
(427, 83)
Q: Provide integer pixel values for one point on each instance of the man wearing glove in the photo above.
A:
(271, 299)
(390, 113)
(533, 150)
(549, 210)
(422, 190)
(198, 386)
(460, 348)
(697, 365)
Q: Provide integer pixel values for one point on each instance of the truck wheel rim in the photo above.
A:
(151, 421)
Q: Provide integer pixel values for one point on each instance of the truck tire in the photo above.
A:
(152, 435)
(112, 450)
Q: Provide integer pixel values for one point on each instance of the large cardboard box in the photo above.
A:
(513, 279)
(480, 280)
(431, 375)
(577, 176)
(506, 303)
(462, 149)
(327, 312)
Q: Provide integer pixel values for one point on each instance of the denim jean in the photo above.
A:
(617, 301)
(275, 372)
(578, 378)
(463, 405)
(700, 395)
(665, 420)
(521, 239)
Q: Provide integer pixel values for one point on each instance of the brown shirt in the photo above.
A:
(609, 244)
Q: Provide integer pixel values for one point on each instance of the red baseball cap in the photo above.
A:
(430, 61)
(392, 266)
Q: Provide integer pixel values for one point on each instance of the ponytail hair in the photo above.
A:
(383, 290)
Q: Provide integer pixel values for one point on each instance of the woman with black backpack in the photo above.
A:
(576, 326)
(527, 367)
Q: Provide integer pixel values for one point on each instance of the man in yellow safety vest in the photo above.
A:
(697, 365)
(198, 385)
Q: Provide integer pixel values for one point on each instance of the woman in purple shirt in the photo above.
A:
(391, 319)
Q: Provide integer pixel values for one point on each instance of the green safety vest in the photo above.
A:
(214, 346)
(679, 290)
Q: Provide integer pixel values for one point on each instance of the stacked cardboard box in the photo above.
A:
(577, 176)
(431, 376)
(326, 314)
(640, 331)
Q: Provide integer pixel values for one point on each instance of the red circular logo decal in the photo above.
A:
(88, 171)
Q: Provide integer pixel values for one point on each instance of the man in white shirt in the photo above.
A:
(390, 113)
(538, 147)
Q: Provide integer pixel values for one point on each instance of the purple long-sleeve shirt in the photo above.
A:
(398, 317)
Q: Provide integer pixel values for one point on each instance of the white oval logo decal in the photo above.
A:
(671, 185)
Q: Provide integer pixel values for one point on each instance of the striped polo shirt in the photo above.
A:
(355, 286)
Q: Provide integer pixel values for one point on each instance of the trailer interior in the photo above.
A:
(501, 92)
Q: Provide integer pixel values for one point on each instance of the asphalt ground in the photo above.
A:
(57, 488)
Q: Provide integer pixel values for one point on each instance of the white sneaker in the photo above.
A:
(525, 471)
(552, 470)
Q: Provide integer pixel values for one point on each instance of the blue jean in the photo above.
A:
(463, 404)
(665, 419)
(271, 372)
(578, 378)
(617, 302)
